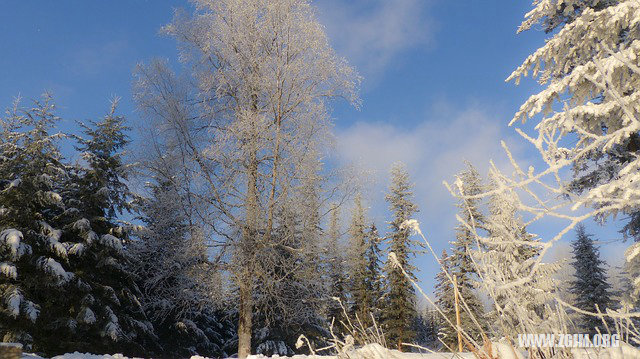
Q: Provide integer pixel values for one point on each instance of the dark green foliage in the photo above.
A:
(31, 172)
(426, 326)
(373, 275)
(335, 273)
(445, 300)
(72, 290)
(590, 285)
(400, 293)
(360, 297)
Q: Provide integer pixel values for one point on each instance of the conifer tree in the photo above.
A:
(84, 297)
(590, 285)
(359, 295)
(426, 325)
(373, 274)
(336, 271)
(400, 306)
(33, 262)
(445, 301)
(461, 263)
(96, 194)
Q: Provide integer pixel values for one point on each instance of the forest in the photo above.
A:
(215, 225)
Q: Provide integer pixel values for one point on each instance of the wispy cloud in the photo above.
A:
(433, 150)
(92, 60)
(372, 34)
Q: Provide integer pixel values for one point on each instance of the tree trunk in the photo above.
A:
(245, 280)
(244, 317)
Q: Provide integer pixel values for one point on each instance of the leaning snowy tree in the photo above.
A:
(264, 71)
(507, 253)
(589, 106)
(182, 283)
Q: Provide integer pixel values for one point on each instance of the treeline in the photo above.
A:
(76, 277)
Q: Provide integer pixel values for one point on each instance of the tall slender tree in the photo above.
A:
(445, 301)
(357, 262)
(400, 307)
(336, 271)
(461, 262)
(590, 286)
(373, 275)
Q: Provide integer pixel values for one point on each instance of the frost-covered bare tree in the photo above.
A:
(255, 123)
(587, 109)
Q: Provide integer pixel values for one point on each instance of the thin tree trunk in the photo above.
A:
(245, 316)
(455, 295)
(245, 305)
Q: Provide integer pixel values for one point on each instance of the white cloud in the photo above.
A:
(433, 150)
(371, 34)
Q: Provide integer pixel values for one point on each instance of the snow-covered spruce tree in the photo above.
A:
(373, 276)
(460, 260)
(506, 255)
(600, 166)
(359, 296)
(174, 272)
(336, 273)
(34, 273)
(262, 80)
(107, 309)
(590, 72)
(590, 286)
(400, 306)
(445, 300)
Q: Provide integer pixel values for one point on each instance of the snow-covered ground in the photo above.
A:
(374, 351)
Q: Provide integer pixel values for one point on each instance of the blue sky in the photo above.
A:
(433, 91)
